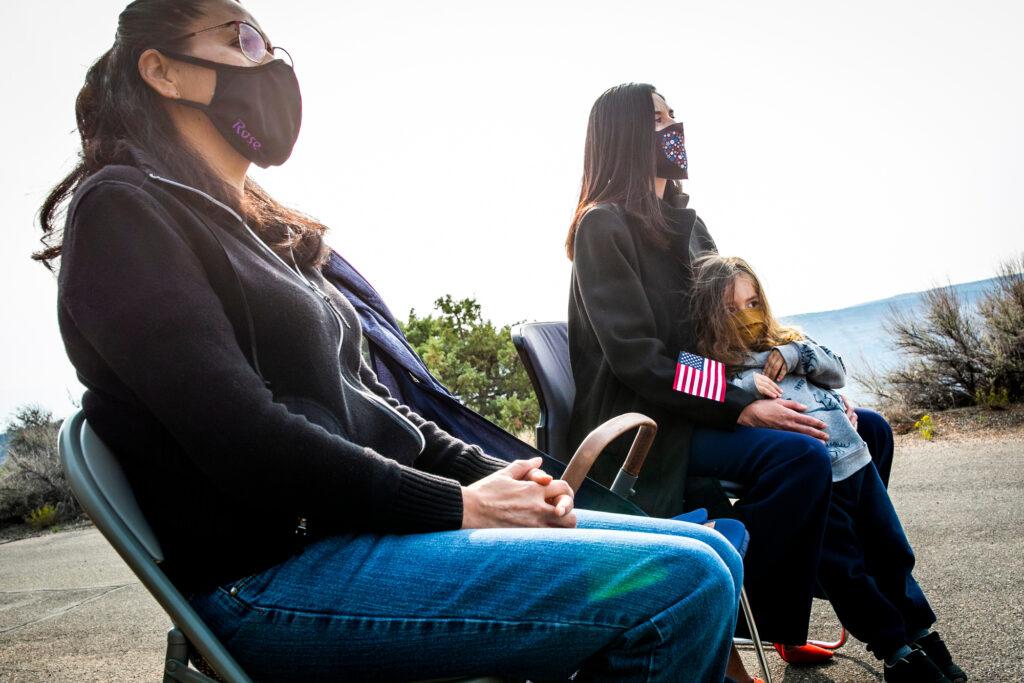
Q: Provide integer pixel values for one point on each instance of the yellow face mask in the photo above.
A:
(751, 324)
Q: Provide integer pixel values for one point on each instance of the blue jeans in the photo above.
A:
(619, 598)
(789, 479)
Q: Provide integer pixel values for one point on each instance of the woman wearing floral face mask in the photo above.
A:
(632, 242)
(330, 533)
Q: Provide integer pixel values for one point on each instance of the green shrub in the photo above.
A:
(993, 399)
(42, 517)
(475, 360)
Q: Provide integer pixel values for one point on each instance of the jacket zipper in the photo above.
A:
(321, 295)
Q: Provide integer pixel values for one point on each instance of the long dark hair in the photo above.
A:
(117, 111)
(619, 161)
(714, 277)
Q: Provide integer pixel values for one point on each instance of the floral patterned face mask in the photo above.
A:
(671, 152)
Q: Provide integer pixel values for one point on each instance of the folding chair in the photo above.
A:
(544, 350)
(99, 484)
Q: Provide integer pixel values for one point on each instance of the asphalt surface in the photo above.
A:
(70, 610)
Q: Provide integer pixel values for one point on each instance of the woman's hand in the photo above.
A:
(766, 387)
(519, 495)
(783, 414)
(563, 502)
(775, 366)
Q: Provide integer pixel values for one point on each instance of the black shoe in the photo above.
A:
(938, 652)
(914, 668)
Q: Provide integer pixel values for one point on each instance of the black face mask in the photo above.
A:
(257, 109)
(671, 152)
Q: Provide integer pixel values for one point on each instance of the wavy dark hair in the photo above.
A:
(718, 337)
(116, 111)
(620, 162)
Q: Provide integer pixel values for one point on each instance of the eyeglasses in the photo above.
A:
(251, 41)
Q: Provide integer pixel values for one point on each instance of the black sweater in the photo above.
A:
(224, 461)
(628, 321)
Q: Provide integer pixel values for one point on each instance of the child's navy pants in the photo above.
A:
(866, 563)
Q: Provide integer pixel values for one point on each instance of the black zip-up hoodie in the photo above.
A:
(231, 386)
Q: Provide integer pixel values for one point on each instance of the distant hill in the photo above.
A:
(859, 333)
(4, 438)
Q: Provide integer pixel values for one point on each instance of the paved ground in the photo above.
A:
(71, 611)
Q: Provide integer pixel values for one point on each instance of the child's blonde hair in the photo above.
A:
(718, 336)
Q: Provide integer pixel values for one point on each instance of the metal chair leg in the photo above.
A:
(748, 615)
(176, 661)
(825, 644)
(831, 645)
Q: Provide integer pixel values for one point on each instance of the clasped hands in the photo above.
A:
(518, 495)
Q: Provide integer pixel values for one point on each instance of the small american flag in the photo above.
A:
(700, 376)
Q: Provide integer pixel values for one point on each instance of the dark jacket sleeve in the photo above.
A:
(140, 297)
(606, 270)
(444, 454)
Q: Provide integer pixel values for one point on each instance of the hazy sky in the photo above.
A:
(850, 151)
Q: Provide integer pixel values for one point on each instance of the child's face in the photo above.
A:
(744, 295)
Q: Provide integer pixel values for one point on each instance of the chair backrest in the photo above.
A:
(544, 350)
(99, 484)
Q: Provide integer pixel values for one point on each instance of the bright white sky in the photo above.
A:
(851, 151)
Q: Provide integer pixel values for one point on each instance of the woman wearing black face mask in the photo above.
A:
(330, 533)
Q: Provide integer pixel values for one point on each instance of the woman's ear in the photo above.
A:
(157, 72)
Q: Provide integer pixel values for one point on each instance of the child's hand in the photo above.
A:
(766, 387)
(850, 408)
(775, 367)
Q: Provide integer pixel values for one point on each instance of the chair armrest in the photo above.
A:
(598, 440)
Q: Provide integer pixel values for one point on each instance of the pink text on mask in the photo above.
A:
(249, 138)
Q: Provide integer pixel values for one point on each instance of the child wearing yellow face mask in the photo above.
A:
(866, 560)
(735, 326)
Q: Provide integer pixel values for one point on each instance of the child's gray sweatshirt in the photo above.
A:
(814, 372)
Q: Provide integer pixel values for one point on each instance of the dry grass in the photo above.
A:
(974, 422)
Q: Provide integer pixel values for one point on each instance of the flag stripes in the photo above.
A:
(698, 376)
